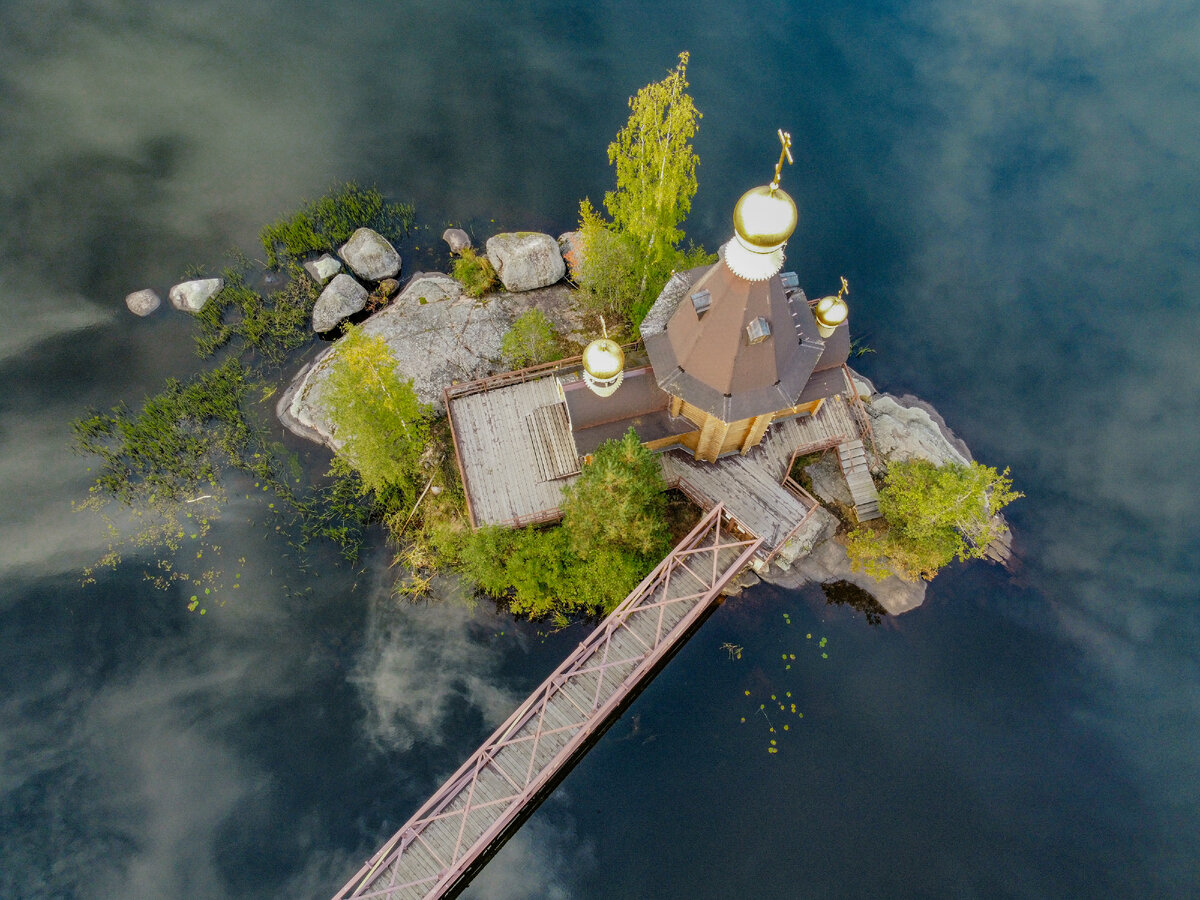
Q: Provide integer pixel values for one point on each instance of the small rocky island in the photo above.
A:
(449, 344)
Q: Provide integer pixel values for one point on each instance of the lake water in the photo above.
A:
(1010, 189)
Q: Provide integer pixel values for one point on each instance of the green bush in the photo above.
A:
(384, 427)
(530, 342)
(474, 272)
(329, 222)
(932, 515)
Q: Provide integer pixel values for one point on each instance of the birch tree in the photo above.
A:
(656, 181)
(377, 415)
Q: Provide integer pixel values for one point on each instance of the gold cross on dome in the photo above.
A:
(785, 138)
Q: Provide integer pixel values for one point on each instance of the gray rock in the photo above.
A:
(370, 256)
(828, 482)
(438, 335)
(907, 431)
(190, 296)
(142, 303)
(525, 260)
(457, 239)
(323, 268)
(342, 297)
(828, 562)
(570, 245)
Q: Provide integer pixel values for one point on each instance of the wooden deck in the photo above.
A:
(438, 850)
(751, 486)
(506, 458)
(516, 453)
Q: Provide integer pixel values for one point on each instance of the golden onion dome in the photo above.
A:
(765, 218)
(830, 312)
(603, 359)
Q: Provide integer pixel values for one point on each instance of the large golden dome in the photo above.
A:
(765, 218)
(603, 358)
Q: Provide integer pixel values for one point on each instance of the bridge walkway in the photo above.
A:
(449, 837)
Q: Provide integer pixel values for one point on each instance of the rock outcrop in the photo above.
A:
(525, 260)
(456, 239)
(828, 562)
(438, 335)
(323, 268)
(370, 256)
(144, 302)
(190, 296)
(342, 298)
(907, 428)
(570, 245)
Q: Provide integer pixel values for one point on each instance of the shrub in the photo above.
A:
(384, 427)
(474, 272)
(530, 342)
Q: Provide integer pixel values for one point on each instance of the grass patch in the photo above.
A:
(328, 222)
(474, 272)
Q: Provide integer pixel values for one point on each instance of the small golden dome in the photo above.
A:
(765, 218)
(830, 312)
(603, 358)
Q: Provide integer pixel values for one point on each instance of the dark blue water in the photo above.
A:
(1010, 190)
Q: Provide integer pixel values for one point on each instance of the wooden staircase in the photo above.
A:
(853, 459)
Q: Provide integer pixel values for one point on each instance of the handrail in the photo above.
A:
(860, 411)
(791, 534)
(519, 376)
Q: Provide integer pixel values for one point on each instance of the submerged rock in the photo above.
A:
(525, 260)
(828, 563)
(323, 268)
(190, 296)
(457, 239)
(342, 297)
(144, 302)
(370, 256)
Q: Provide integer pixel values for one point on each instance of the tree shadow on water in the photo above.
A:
(844, 593)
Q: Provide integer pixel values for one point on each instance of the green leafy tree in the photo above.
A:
(608, 269)
(384, 427)
(933, 514)
(530, 341)
(656, 180)
(617, 502)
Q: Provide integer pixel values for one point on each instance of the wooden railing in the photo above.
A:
(520, 376)
(859, 411)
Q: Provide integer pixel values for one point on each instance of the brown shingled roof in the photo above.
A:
(707, 359)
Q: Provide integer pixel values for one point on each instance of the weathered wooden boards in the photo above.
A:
(852, 457)
(501, 471)
(553, 447)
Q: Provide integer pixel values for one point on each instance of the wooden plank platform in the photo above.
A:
(751, 495)
(437, 850)
(512, 441)
(553, 447)
(501, 475)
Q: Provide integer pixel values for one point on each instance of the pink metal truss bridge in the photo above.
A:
(448, 839)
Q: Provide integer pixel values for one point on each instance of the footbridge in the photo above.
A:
(449, 838)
